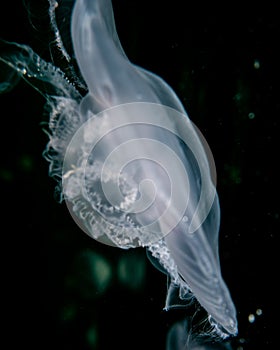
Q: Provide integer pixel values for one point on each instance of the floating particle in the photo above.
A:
(257, 64)
(251, 318)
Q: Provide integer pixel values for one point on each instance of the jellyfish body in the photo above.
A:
(133, 168)
(190, 258)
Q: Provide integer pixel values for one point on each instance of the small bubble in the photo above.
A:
(251, 115)
(251, 318)
(185, 219)
(259, 312)
(257, 64)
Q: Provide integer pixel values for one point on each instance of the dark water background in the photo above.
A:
(225, 69)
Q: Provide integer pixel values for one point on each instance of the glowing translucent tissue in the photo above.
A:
(133, 169)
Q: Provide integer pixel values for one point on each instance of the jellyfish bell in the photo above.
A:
(115, 165)
(134, 170)
(127, 166)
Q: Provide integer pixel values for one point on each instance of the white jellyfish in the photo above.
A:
(132, 167)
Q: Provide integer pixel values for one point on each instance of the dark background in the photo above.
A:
(224, 66)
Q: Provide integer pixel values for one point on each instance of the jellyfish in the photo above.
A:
(132, 168)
